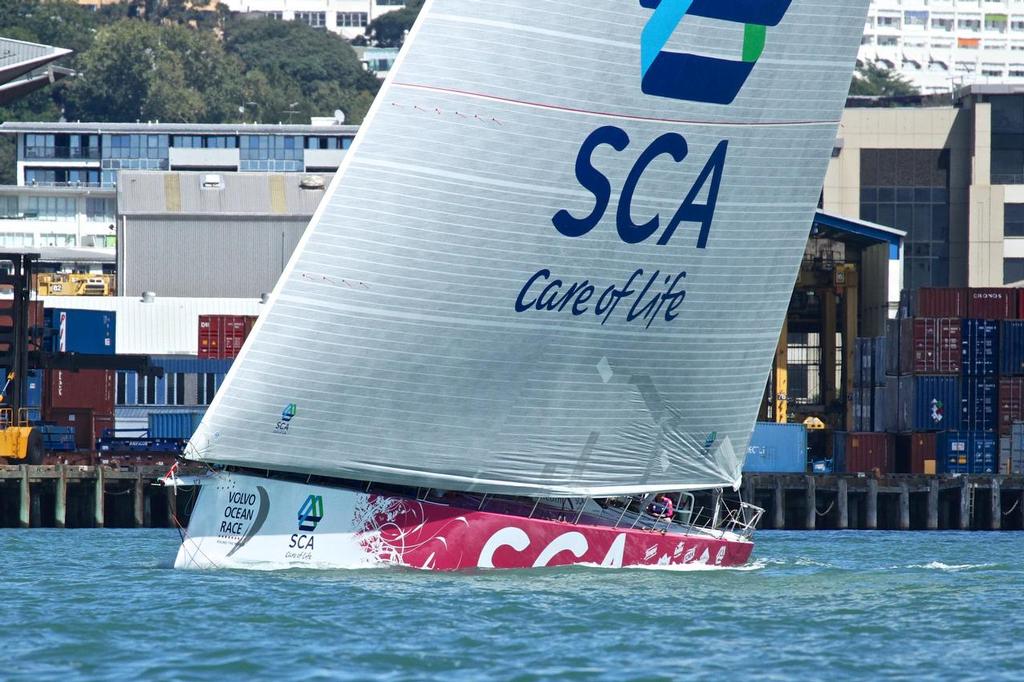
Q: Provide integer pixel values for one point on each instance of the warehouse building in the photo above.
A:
(210, 234)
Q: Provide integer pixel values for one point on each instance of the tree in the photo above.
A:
(873, 80)
(389, 30)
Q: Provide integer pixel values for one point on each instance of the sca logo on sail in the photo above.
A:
(697, 78)
(287, 414)
(311, 513)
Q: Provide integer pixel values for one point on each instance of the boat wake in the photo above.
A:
(951, 568)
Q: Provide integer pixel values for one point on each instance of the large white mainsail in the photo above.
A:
(556, 260)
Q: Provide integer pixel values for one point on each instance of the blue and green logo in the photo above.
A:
(311, 513)
(697, 78)
(287, 414)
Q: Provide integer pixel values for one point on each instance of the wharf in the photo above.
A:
(888, 502)
(73, 496)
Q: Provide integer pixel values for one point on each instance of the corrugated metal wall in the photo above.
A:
(213, 257)
(164, 326)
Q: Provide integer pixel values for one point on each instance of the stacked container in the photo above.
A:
(777, 448)
(83, 400)
(869, 385)
(957, 351)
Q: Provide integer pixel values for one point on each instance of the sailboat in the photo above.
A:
(535, 312)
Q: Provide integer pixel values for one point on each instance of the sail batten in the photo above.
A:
(546, 266)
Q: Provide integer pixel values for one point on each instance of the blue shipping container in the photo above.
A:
(81, 331)
(173, 424)
(935, 402)
(34, 392)
(979, 401)
(58, 438)
(966, 453)
(777, 448)
(1011, 348)
(980, 348)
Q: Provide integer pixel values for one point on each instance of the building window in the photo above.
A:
(145, 390)
(1013, 270)
(314, 19)
(908, 189)
(9, 207)
(121, 388)
(49, 208)
(352, 19)
(59, 177)
(17, 239)
(205, 141)
(99, 210)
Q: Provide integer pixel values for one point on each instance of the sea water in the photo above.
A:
(104, 604)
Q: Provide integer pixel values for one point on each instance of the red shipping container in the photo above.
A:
(35, 319)
(1011, 403)
(992, 304)
(941, 302)
(936, 346)
(222, 336)
(85, 389)
(866, 452)
(89, 426)
(922, 447)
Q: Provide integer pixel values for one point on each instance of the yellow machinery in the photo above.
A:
(74, 284)
(18, 440)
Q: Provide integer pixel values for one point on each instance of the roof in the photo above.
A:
(163, 326)
(152, 193)
(18, 57)
(67, 254)
(157, 128)
(857, 232)
(65, 191)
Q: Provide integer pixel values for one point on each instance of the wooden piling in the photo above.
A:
(140, 492)
(98, 511)
(843, 503)
(812, 503)
(779, 514)
(24, 500)
(871, 517)
(997, 505)
(933, 504)
(172, 506)
(965, 503)
(904, 506)
(60, 506)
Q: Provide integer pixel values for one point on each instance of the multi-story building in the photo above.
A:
(91, 154)
(52, 217)
(943, 44)
(346, 17)
(950, 175)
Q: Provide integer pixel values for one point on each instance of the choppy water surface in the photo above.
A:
(104, 604)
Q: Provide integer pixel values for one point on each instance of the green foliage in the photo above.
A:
(162, 60)
(388, 30)
(872, 80)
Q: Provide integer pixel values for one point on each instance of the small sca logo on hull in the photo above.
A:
(678, 75)
(287, 414)
(311, 513)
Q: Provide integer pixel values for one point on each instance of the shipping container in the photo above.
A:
(963, 452)
(777, 448)
(992, 304)
(34, 389)
(1011, 403)
(173, 424)
(980, 348)
(861, 452)
(979, 401)
(87, 388)
(1016, 459)
(89, 426)
(81, 331)
(222, 336)
(892, 347)
(870, 408)
(939, 302)
(58, 438)
(936, 346)
(35, 322)
(924, 403)
(869, 362)
(1011, 348)
(923, 447)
